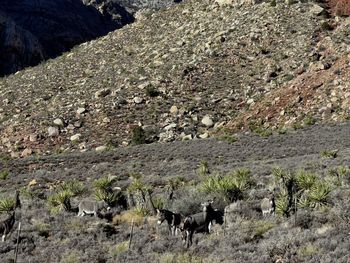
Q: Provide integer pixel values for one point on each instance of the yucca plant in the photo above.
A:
(203, 168)
(75, 187)
(303, 201)
(7, 204)
(111, 198)
(282, 204)
(319, 194)
(305, 180)
(60, 200)
(104, 183)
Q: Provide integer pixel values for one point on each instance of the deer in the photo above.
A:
(88, 207)
(173, 219)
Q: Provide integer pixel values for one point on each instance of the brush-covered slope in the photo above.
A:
(185, 72)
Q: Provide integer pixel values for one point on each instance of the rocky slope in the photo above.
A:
(191, 71)
(58, 26)
(18, 47)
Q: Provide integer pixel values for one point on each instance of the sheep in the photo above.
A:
(88, 207)
(200, 222)
(7, 225)
(173, 220)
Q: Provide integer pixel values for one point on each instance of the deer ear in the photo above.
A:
(158, 211)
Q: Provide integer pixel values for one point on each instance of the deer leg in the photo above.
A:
(189, 238)
(3, 238)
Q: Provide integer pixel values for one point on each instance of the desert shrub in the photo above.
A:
(30, 193)
(329, 153)
(227, 138)
(308, 250)
(127, 217)
(73, 256)
(119, 248)
(180, 258)
(7, 204)
(43, 229)
(189, 201)
(158, 202)
(75, 187)
(339, 7)
(230, 186)
(59, 201)
(282, 204)
(3, 175)
(339, 175)
(104, 190)
(151, 91)
(138, 136)
(203, 168)
(319, 194)
(305, 180)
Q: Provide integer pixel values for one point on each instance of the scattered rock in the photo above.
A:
(32, 183)
(174, 110)
(102, 93)
(33, 137)
(53, 131)
(316, 9)
(75, 137)
(26, 152)
(207, 121)
(81, 110)
(137, 100)
(204, 135)
(170, 126)
(101, 148)
(58, 122)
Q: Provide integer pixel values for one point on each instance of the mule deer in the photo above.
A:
(88, 207)
(173, 220)
(7, 225)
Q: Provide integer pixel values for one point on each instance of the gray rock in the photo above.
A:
(138, 100)
(81, 110)
(58, 122)
(75, 137)
(53, 131)
(207, 121)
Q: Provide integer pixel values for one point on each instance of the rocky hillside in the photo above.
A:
(195, 70)
(18, 47)
(58, 25)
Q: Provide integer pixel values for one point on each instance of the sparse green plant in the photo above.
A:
(309, 121)
(7, 204)
(118, 249)
(319, 193)
(59, 201)
(75, 187)
(339, 175)
(29, 193)
(138, 136)
(308, 250)
(151, 91)
(104, 183)
(330, 153)
(71, 257)
(305, 180)
(158, 202)
(297, 125)
(43, 229)
(230, 186)
(111, 198)
(141, 211)
(227, 138)
(203, 168)
(3, 175)
(282, 204)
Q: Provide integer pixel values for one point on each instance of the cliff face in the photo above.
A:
(58, 25)
(18, 47)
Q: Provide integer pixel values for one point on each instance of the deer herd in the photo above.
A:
(201, 222)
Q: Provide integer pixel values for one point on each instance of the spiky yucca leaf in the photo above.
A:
(7, 204)
(75, 187)
(305, 180)
(319, 193)
(104, 183)
(111, 198)
(282, 204)
(60, 198)
(203, 168)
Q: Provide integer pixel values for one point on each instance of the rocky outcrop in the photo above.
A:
(18, 47)
(58, 25)
(131, 6)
